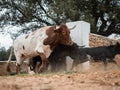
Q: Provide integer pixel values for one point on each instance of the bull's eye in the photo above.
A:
(63, 32)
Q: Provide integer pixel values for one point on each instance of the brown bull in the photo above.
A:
(40, 42)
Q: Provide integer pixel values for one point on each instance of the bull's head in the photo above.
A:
(63, 35)
(58, 35)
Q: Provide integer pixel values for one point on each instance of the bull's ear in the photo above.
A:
(118, 43)
(57, 29)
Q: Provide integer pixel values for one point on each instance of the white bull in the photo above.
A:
(40, 42)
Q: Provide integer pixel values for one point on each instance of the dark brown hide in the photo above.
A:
(65, 35)
(52, 37)
(58, 36)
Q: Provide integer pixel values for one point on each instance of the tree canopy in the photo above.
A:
(5, 53)
(103, 15)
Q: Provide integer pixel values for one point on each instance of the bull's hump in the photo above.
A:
(27, 43)
(40, 30)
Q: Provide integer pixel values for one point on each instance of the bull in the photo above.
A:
(40, 43)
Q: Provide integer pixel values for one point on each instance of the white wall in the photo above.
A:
(80, 34)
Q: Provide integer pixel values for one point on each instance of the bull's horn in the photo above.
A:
(57, 27)
(72, 27)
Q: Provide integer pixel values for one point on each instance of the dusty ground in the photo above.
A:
(71, 81)
(95, 78)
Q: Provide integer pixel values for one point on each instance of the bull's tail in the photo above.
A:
(8, 62)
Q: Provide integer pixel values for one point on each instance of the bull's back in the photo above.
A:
(26, 44)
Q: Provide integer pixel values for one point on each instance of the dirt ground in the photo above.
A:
(94, 78)
(69, 81)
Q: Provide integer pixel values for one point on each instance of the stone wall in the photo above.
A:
(98, 40)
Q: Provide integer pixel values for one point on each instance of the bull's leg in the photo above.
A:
(32, 65)
(35, 66)
(18, 64)
(55, 65)
(18, 68)
(52, 62)
(113, 61)
(44, 63)
(74, 66)
(62, 63)
(105, 63)
(29, 66)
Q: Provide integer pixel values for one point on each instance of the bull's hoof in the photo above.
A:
(41, 69)
(31, 72)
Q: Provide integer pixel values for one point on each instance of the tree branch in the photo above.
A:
(41, 20)
(54, 19)
(16, 7)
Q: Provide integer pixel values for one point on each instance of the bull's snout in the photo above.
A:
(70, 42)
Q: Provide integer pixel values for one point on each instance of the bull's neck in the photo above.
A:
(52, 47)
(55, 43)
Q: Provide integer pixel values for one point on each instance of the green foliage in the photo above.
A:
(103, 15)
(4, 54)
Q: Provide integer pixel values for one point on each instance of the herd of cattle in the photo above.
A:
(50, 45)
